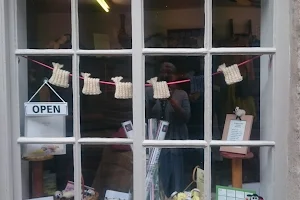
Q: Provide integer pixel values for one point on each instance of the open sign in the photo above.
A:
(46, 108)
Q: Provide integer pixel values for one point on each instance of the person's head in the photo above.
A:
(167, 72)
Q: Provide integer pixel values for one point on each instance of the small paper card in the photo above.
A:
(229, 193)
(70, 187)
(43, 198)
(237, 130)
(112, 195)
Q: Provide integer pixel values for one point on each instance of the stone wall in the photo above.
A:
(293, 188)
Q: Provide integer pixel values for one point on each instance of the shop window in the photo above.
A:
(130, 70)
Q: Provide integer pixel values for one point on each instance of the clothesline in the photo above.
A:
(169, 83)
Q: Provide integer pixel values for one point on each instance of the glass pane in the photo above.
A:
(242, 173)
(105, 24)
(45, 171)
(44, 24)
(108, 170)
(243, 23)
(174, 170)
(103, 112)
(251, 95)
(180, 103)
(45, 114)
(174, 23)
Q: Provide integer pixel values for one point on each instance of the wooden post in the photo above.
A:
(237, 173)
(37, 179)
(237, 166)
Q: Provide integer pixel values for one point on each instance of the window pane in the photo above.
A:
(105, 24)
(108, 169)
(243, 23)
(171, 170)
(46, 170)
(102, 114)
(252, 172)
(174, 23)
(46, 115)
(44, 24)
(180, 103)
(252, 95)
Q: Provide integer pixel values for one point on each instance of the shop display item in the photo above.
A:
(197, 84)
(44, 119)
(232, 73)
(64, 195)
(58, 195)
(116, 195)
(237, 130)
(59, 76)
(224, 192)
(88, 193)
(195, 194)
(253, 197)
(160, 89)
(239, 113)
(91, 86)
(123, 89)
(155, 154)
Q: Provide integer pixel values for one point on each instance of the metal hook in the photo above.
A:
(45, 80)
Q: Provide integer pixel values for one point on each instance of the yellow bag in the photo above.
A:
(199, 179)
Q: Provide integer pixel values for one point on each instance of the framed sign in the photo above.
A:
(45, 119)
(229, 193)
(237, 130)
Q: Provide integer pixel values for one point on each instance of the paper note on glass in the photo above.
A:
(236, 130)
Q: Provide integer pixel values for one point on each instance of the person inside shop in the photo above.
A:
(176, 110)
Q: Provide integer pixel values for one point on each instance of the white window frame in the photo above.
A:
(11, 104)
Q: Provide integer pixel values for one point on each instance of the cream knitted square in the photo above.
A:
(59, 76)
(160, 89)
(91, 86)
(232, 74)
(123, 89)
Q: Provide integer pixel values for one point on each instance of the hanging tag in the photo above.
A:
(46, 108)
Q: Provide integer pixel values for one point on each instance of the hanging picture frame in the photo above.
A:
(45, 119)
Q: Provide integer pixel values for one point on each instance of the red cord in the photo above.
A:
(170, 83)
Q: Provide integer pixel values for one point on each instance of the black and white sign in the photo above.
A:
(46, 108)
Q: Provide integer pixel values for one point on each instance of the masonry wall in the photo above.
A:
(293, 187)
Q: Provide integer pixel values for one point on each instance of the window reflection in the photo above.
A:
(184, 109)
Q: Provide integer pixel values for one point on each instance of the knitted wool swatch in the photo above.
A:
(123, 89)
(59, 76)
(160, 89)
(91, 86)
(232, 74)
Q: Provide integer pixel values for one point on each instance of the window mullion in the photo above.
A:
(208, 97)
(138, 104)
(15, 102)
(6, 170)
(76, 99)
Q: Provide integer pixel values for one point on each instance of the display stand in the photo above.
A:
(37, 161)
(237, 166)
